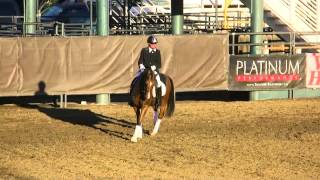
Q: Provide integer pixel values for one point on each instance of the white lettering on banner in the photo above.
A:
(239, 66)
(267, 67)
(261, 62)
(254, 68)
(266, 84)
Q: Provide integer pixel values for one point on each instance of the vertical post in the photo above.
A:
(292, 42)
(65, 100)
(292, 45)
(62, 29)
(91, 18)
(126, 14)
(30, 16)
(177, 16)
(225, 13)
(233, 42)
(216, 13)
(61, 101)
(265, 47)
(102, 17)
(102, 30)
(256, 25)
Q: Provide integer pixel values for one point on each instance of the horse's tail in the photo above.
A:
(171, 100)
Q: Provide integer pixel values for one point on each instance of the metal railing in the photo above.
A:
(300, 15)
(193, 23)
(240, 43)
(305, 11)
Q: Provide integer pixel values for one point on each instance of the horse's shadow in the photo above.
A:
(85, 118)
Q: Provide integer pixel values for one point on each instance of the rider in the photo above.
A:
(150, 57)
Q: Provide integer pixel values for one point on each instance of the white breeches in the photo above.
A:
(157, 79)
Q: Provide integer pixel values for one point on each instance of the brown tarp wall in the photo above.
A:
(91, 65)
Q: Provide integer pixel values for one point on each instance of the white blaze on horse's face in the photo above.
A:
(150, 85)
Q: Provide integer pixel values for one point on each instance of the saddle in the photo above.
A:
(162, 86)
(155, 90)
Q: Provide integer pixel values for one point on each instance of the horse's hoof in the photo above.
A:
(153, 133)
(134, 139)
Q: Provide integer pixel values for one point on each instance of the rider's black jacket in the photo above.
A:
(149, 59)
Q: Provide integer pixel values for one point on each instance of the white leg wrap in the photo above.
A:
(137, 133)
(156, 127)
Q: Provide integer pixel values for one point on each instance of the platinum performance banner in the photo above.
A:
(266, 72)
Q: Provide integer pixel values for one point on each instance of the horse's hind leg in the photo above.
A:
(157, 120)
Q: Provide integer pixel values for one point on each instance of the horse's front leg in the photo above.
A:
(138, 127)
(138, 130)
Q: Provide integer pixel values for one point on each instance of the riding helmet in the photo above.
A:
(152, 40)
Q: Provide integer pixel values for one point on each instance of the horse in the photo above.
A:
(143, 94)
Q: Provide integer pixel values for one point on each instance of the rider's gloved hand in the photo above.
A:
(141, 67)
(153, 68)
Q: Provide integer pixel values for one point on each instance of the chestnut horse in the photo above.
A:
(143, 91)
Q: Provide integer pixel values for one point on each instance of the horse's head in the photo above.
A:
(147, 83)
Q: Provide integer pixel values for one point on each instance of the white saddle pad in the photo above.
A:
(163, 90)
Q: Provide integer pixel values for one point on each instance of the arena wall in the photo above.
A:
(91, 65)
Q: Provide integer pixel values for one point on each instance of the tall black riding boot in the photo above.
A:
(158, 98)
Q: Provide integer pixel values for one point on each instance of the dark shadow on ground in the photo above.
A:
(73, 116)
(84, 118)
(123, 98)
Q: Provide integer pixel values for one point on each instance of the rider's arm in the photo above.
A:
(141, 61)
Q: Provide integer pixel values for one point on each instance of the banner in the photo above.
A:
(266, 72)
(313, 70)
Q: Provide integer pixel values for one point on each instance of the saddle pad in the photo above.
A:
(163, 78)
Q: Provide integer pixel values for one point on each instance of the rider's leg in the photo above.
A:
(158, 90)
(158, 79)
